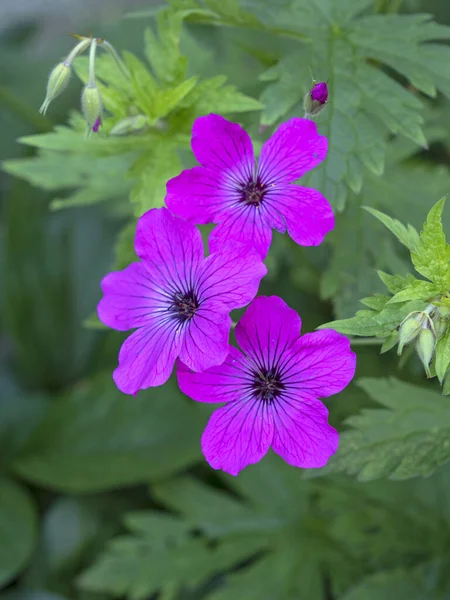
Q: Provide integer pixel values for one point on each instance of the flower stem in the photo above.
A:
(79, 48)
(119, 62)
(364, 341)
(92, 51)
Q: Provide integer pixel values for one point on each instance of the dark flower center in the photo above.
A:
(252, 193)
(184, 305)
(267, 385)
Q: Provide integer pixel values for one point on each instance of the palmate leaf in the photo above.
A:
(407, 191)
(231, 532)
(409, 437)
(293, 539)
(94, 439)
(365, 103)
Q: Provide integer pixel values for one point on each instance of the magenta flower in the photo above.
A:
(178, 300)
(319, 92)
(248, 201)
(271, 390)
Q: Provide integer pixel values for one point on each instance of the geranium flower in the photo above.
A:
(248, 201)
(272, 390)
(178, 300)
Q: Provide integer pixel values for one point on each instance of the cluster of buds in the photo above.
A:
(315, 100)
(91, 101)
(424, 328)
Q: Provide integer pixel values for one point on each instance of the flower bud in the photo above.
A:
(440, 325)
(57, 82)
(91, 103)
(409, 330)
(425, 345)
(130, 125)
(315, 100)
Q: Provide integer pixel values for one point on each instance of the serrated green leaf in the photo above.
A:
(18, 528)
(390, 585)
(373, 323)
(95, 438)
(407, 235)
(163, 50)
(442, 359)
(416, 290)
(153, 169)
(396, 283)
(433, 253)
(410, 437)
(162, 551)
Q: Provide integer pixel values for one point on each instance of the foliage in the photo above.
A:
(104, 496)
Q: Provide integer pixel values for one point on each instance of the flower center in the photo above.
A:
(184, 305)
(252, 193)
(267, 385)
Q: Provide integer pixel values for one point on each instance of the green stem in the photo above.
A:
(79, 48)
(366, 341)
(92, 51)
(119, 62)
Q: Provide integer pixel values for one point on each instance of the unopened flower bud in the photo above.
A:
(409, 330)
(425, 345)
(57, 82)
(315, 100)
(130, 125)
(91, 103)
(440, 325)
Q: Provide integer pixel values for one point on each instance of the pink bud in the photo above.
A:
(319, 92)
(96, 125)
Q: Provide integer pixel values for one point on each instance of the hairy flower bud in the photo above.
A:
(315, 100)
(130, 125)
(57, 82)
(425, 345)
(91, 103)
(410, 329)
(440, 325)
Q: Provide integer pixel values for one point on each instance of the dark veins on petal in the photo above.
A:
(267, 384)
(184, 306)
(252, 193)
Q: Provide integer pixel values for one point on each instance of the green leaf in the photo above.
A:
(163, 551)
(409, 437)
(396, 283)
(374, 323)
(17, 529)
(95, 438)
(416, 290)
(365, 103)
(442, 359)
(153, 169)
(433, 253)
(390, 585)
(407, 235)
(163, 50)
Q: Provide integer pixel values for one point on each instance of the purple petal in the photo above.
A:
(320, 92)
(205, 342)
(199, 195)
(231, 275)
(302, 435)
(246, 226)
(147, 357)
(224, 147)
(307, 215)
(237, 435)
(326, 363)
(170, 248)
(223, 383)
(294, 149)
(128, 299)
(268, 329)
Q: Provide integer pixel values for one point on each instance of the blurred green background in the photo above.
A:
(77, 457)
